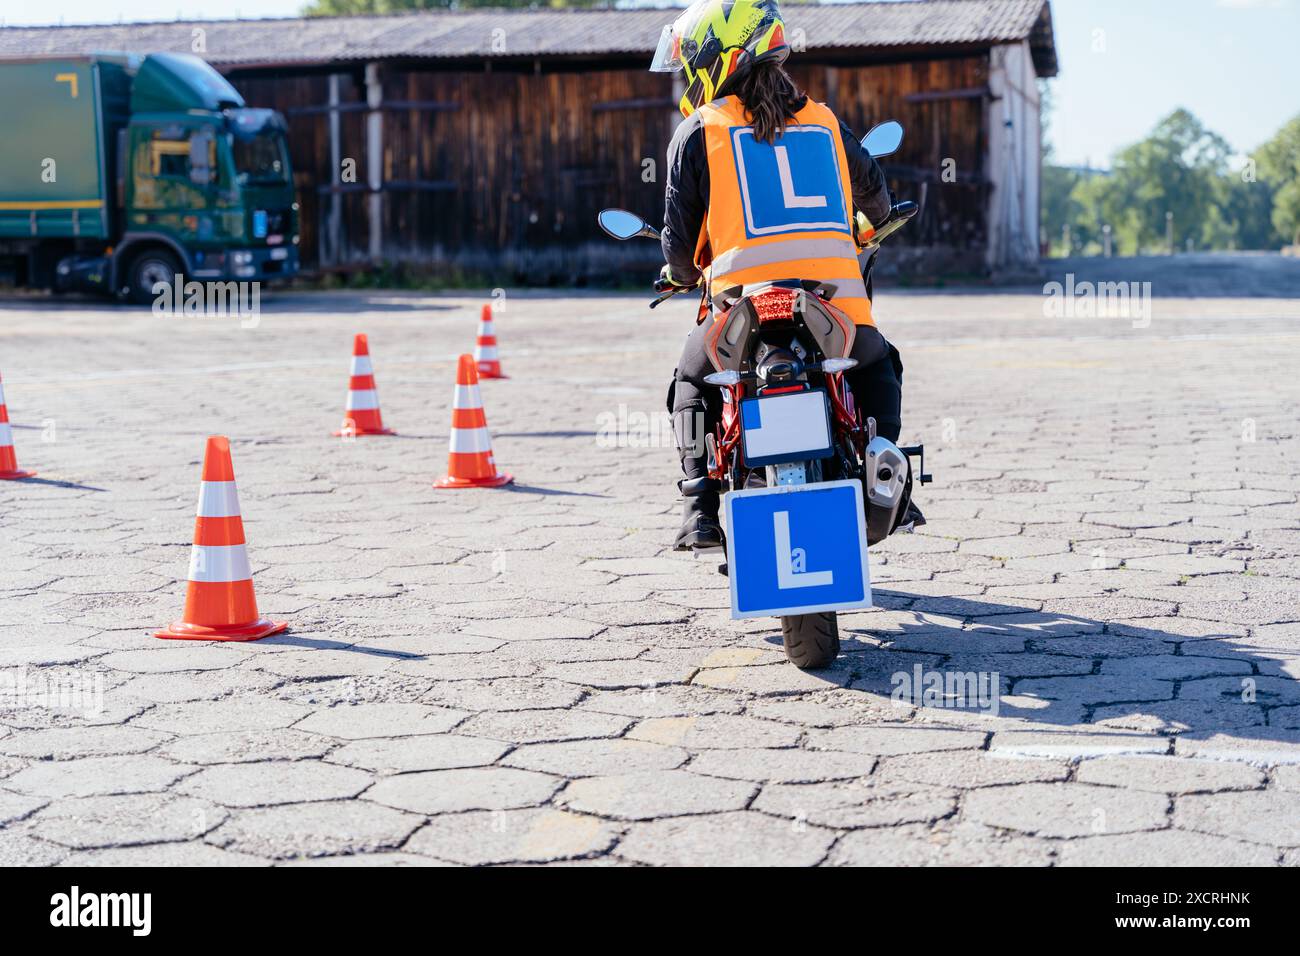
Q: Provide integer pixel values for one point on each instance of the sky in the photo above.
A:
(1125, 64)
(1234, 63)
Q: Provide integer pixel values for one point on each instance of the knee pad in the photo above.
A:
(690, 425)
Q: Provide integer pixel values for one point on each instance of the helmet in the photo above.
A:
(716, 42)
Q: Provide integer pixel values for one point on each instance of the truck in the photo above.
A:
(121, 171)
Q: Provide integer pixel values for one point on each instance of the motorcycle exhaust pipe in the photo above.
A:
(885, 483)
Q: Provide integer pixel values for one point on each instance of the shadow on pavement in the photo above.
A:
(1129, 681)
(534, 490)
(557, 434)
(305, 642)
(56, 483)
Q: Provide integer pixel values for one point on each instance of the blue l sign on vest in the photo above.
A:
(797, 550)
(791, 185)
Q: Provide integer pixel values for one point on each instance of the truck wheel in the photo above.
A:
(150, 267)
(811, 640)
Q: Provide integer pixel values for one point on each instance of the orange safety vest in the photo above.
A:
(780, 210)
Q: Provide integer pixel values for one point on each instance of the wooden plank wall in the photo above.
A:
(520, 163)
(954, 213)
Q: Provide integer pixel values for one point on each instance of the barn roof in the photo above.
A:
(479, 33)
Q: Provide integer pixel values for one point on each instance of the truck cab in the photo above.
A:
(189, 182)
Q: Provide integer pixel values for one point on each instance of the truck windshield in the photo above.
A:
(260, 159)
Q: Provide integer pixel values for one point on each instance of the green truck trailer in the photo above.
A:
(120, 171)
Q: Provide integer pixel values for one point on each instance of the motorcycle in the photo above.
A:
(789, 426)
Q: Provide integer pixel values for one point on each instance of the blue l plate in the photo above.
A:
(797, 550)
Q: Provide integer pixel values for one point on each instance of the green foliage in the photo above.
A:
(1059, 206)
(1180, 168)
(1252, 206)
(1278, 167)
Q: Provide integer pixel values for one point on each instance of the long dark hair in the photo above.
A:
(770, 98)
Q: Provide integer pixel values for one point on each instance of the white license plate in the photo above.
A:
(793, 426)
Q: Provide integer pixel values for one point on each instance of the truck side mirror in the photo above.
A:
(200, 159)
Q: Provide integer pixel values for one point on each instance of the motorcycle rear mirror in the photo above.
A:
(884, 139)
(622, 224)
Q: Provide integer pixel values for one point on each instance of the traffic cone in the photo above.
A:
(361, 413)
(470, 463)
(219, 601)
(485, 347)
(8, 460)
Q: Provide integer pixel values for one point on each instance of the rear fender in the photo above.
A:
(831, 329)
(730, 342)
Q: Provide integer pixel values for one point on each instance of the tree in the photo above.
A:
(1107, 200)
(1251, 203)
(1181, 168)
(1278, 168)
(1058, 206)
(1177, 169)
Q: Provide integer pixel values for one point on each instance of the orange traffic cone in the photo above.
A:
(219, 602)
(485, 347)
(8, 460)
(470, 463)
(361, 413)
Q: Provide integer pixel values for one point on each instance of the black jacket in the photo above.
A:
(686, 198)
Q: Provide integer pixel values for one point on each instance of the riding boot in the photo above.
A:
(912, 518)
(700, 528)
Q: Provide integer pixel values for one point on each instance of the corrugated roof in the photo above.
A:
(564, 32)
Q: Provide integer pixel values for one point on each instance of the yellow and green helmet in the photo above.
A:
(715, 42)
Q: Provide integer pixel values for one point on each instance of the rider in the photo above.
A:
(759, 203)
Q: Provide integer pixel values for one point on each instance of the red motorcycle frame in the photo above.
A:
(776, 305)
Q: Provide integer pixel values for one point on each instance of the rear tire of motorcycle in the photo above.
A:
(811, 641)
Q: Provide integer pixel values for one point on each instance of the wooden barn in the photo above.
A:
(480, 144)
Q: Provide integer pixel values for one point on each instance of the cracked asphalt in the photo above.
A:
(530, 675)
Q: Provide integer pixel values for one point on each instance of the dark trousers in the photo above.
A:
(876, 383)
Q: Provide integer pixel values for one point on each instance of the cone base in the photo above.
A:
(496, 481)
(253, 631)
(345, 433)
(482, 375)
(16, 475)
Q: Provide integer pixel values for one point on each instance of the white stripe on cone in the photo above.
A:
(362, 400)
(486, 353)
(219, 563)
(2, 394)
(485, 327)
(218, 499)
(361, 365)
(468, 441)
(467, 397)
(6, 435)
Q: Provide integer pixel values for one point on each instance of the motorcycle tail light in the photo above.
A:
(774, 305)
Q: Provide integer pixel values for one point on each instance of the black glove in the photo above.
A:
(665, 282)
